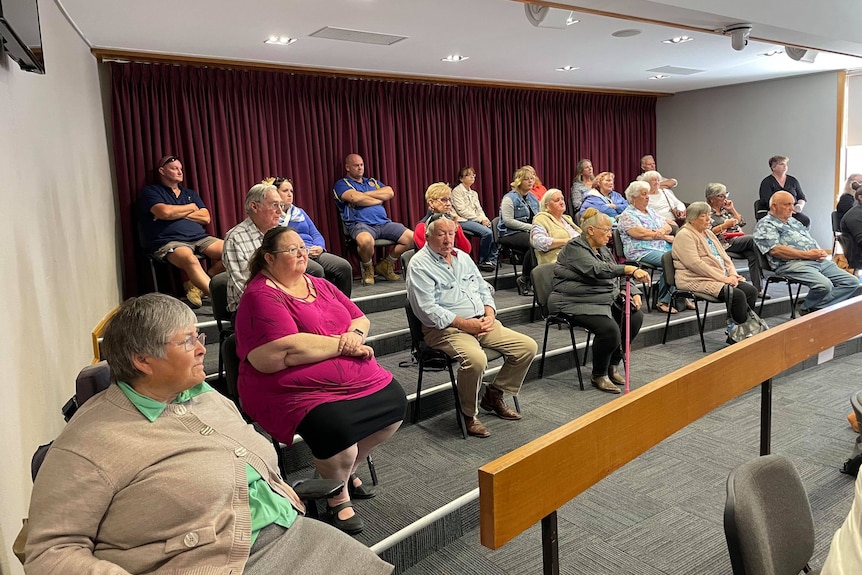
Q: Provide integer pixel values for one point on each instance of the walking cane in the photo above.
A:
(628, 345)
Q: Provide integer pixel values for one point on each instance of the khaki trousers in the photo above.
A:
(517, 349)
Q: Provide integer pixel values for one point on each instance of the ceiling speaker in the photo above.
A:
(544, 17)
(800, 54)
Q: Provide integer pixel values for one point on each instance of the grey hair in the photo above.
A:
(431, 225)
(647, 176)
(695, 210)
(643, 160)
(635, 189)
(715, 189)
(546, 199)
(848, 185)
(142, 326)
(256, 194)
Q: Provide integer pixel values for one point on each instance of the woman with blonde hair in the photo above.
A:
(552, 227)
(517, 211)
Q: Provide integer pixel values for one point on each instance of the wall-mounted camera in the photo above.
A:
(738, 35)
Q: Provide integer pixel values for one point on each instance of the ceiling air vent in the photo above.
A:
(676, 70)
(357, 36)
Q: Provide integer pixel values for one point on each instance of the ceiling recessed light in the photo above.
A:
(659, 77)
(454, 58)
(571, 19)
(567, 69)
(773, 53)
(627, 33)
(279, 40)
(677, 40)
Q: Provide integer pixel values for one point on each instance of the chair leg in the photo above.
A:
(497, 268)
(790, 297)
(587, 347)
(763, 299)
(544, 347)
(701, 325)
(517, 403)
(533, 307)
(418, 390)
(667, 321)
(459, 415)
(371, 469)
(575, 352)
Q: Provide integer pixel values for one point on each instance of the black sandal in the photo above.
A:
(351, 525)
(360, 492)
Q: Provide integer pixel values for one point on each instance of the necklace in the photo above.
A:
(309, 296)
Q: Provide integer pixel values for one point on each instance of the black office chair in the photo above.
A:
(405, 259)
(836, 229)
(676, 293)
(426, 354)
(619, 252)
(760, 209)
(542, 276)
(514, 254)
(774, 277)
(767, 519)
(223, 318)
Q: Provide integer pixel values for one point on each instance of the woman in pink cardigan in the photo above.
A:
(702, 265)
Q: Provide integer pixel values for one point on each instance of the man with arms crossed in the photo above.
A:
(360, 202)
(173, 220)
(454, 303)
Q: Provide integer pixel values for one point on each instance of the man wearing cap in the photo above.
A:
(172, 220)
(447, 293)
(360, 203)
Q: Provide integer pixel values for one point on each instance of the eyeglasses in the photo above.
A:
(168, 160)
(191, 342)
(604, 230)
(445, 200)
(292, 251)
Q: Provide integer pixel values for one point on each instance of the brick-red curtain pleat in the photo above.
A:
(231, 128)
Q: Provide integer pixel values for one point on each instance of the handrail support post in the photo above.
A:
(550, 545)
(766, 417)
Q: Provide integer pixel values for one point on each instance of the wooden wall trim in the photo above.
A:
(105, 54)
(520, 488)
(840, 135)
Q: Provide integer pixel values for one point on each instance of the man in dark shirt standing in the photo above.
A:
(173, 219)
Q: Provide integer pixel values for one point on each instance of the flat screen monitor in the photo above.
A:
(21, 35)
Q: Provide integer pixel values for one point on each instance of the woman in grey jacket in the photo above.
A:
(587, 288)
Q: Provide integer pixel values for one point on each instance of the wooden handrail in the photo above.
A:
(558, 466)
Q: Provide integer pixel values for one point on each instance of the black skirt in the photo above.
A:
(333, 427)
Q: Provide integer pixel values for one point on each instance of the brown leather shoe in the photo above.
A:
(603, 383)
(617, 375)
(475, 427)
(493, 402)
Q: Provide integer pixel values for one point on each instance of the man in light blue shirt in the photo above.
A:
(455, 305)
(792, 252)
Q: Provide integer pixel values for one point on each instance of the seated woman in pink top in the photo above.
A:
(305, 369)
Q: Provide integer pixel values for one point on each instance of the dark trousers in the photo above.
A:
(520, 242)
(744, 299)
(607, 336)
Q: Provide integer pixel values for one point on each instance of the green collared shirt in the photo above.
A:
(265, 505)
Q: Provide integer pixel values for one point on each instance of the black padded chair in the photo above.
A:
(350, 244)
(619, 252)
(405, 259)
(767, 519)
(231, 366)
(542, 277)
(426, 354)
(836, 229)
(760, 209)
(676, 293)
(514, 254)
(223, 318)
(773, 277)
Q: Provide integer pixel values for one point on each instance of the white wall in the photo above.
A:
(728, 134)
(58, 249)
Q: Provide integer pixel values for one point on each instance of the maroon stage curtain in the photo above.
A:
(231, 128)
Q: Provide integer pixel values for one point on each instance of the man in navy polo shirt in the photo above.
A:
(172, 221)
(360, 203)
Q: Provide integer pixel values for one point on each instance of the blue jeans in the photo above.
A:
(487, 247)
(827, 283)
(654, 257)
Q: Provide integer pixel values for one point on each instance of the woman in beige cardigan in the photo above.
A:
(702, 265)
(552, 228)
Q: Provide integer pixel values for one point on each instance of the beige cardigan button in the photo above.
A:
(180, 409)
(191, 539)
(240, 451)
(207, 430)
